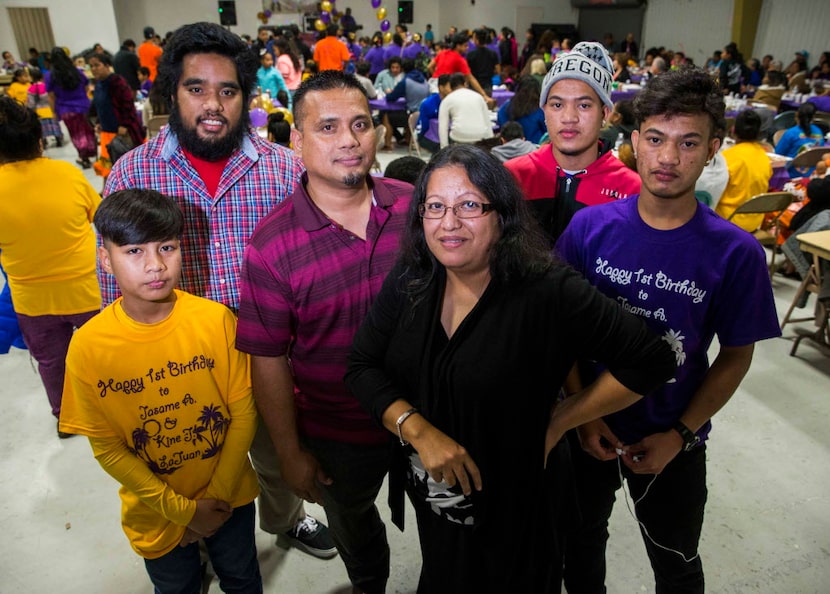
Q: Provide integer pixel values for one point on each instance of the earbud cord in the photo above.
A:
(634, 514)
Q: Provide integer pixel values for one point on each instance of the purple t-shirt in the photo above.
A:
(69, 100)
(375, 57)
(822, 102)
(412, 50)
(391, 51)
(307, 284)
(689, 284)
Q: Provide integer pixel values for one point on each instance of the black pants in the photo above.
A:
(428, 144)
(671, 513)
(357, 472)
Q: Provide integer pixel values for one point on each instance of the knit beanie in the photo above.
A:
(589, 62)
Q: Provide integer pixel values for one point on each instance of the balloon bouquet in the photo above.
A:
(261, 105)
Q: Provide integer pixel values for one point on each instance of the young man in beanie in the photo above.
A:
(575, 170)
(691, 276)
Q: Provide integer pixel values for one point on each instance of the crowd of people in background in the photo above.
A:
(469, 242)
(486, 57)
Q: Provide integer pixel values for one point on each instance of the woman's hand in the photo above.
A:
(446, 460)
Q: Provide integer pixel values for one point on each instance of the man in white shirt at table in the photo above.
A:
(463, 116)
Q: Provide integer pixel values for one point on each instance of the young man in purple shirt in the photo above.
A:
(309, 275)
(691, 275)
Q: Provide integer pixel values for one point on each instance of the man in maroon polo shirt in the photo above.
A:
(310, 273)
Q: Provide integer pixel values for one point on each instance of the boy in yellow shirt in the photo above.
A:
(156, 384)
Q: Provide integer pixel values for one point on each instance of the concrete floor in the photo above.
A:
(767, 526)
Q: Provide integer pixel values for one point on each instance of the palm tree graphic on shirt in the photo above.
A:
(212, 425)
(675, 340)
(210, 428)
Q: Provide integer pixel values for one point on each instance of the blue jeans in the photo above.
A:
(357, 473)
(672, 512)
(232, 552)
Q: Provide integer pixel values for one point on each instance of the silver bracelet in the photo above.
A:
(400, 422)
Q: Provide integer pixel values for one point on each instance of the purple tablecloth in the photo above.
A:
(778, 179)
(620, 95)
(432, 133)
(384, 105)
(502, 96)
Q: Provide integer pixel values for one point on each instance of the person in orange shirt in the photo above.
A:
(330, 53)
(149, 53)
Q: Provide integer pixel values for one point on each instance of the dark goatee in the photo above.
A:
(354, 179)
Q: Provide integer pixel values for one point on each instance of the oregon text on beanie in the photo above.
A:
(588, 62)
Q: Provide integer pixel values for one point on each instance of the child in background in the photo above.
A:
(284, 99)
(38, 99)
(279, 131)
(144, 79)
(310, 69)
(269, 79)
(19, 87)
(156, 384)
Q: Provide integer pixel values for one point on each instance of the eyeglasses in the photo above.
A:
(468, 209)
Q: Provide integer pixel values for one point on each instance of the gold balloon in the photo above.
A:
(325, 5)
(387, 37)
(262, 102)
(319, 25)
(289, 117)
(381, 13)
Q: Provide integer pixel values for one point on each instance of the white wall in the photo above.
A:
(167, 15)
(76, 24)
(462, 14)
(696, 26)
(779, 35)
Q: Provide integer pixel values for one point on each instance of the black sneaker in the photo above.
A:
(311, 536)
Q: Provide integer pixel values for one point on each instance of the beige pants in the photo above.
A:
(279, 508)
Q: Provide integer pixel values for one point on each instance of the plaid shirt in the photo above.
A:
(257, 177)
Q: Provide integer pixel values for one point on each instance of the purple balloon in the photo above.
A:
(267, 14)
(325, 16)
(384, 25)
(259, 117)
(376, 3)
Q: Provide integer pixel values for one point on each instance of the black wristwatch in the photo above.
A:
(690, 439)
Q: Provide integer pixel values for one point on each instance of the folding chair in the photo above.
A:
(413, 136)
(771, 202)
(154, 125)
(380, 132)
(808, 159)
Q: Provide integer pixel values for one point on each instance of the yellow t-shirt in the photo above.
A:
(749, 173)
(47, 243)
(167, 392)
(18, 91)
